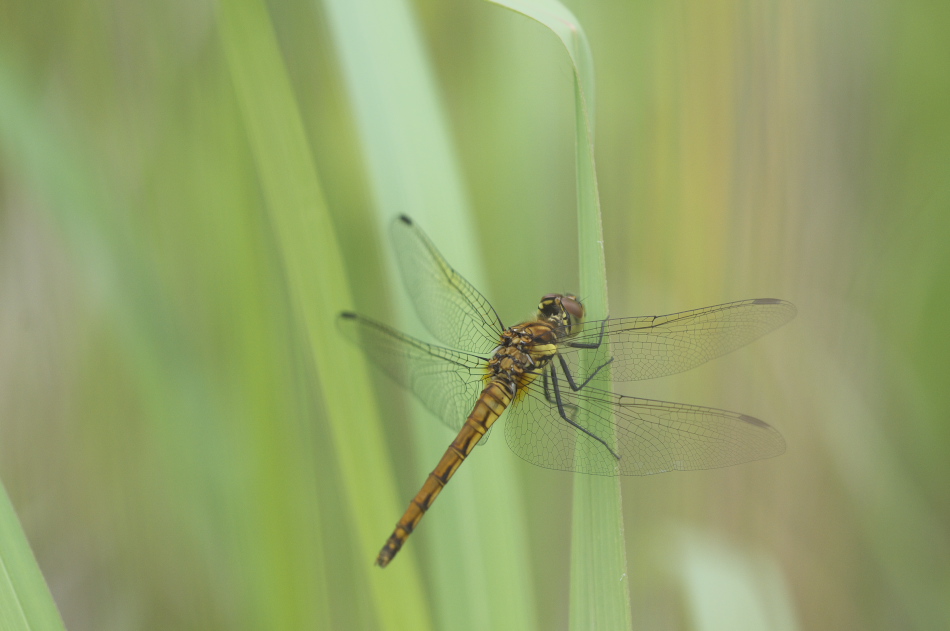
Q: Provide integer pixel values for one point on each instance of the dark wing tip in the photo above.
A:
(349, 315)
(776, 444)
(751, 420)
(788, 308)
(405, 219)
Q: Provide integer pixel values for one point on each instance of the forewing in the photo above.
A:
(651, 436)
(451, 308)
(646, 347)
(447, 382)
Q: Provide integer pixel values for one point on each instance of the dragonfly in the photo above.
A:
(552, 376)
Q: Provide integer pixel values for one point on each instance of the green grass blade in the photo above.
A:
(25, 601)
(319, 290)
(479, 563)
(599, 593)
(113, 261)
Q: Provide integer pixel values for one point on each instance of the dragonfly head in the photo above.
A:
(563, 310)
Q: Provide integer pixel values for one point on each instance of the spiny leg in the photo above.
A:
(570, 378)
(596, 345)
(600, 339)
(549, 395)
(563, 413)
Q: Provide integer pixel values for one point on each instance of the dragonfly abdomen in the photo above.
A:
(494, 399)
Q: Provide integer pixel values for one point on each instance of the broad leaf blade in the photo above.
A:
(25, 601)
(481, 576)
(319, 290)
(599, 594)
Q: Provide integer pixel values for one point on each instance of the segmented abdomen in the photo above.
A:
(491, 403)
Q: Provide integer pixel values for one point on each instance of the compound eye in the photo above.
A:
(573, 306)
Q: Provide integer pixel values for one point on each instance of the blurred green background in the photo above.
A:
(167, 434)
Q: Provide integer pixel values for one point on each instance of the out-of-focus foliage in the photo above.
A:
(165, 436)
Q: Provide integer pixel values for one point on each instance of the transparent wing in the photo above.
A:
(646, 347)
(447, 382)
(450, 307)
(651, 436)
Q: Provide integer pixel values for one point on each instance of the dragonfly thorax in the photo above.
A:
(523, 351)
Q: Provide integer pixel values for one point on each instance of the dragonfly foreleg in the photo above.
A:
(570, 378)
(563, 413)
(596, 344)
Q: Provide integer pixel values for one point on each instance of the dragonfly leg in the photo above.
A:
(563, 413)
(596, 344)
(570, 378)
(568, 408)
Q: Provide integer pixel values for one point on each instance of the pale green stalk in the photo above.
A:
(476, 532)
(25, 601)
(599, 593)
(118, 277)
(319, 291)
